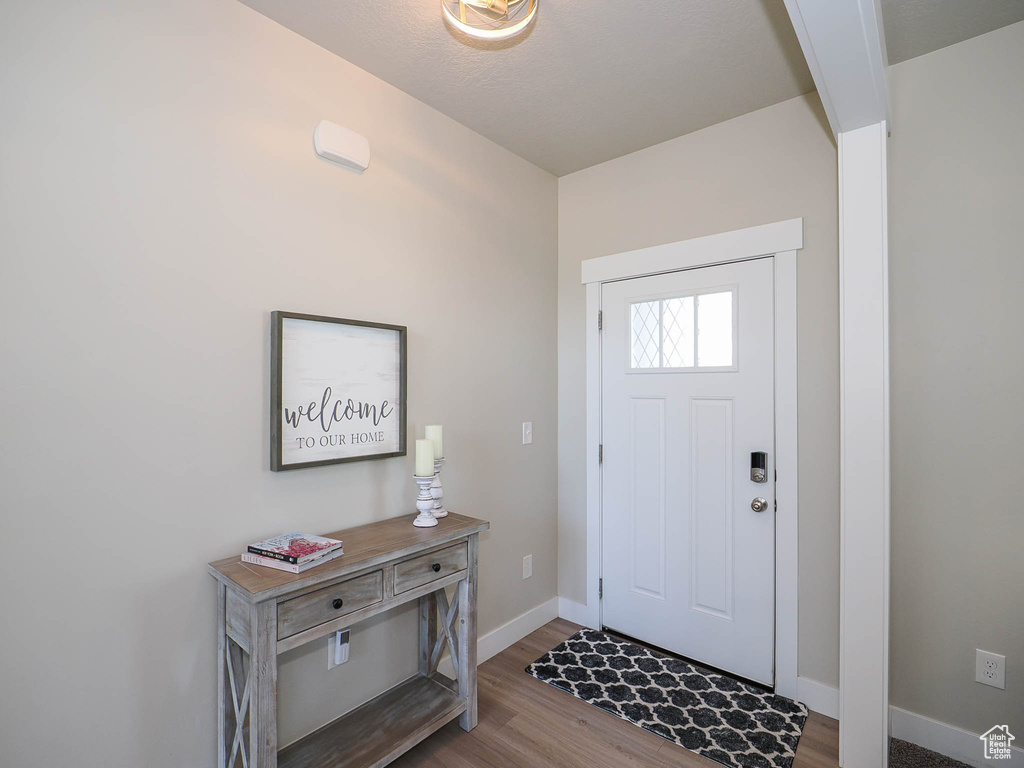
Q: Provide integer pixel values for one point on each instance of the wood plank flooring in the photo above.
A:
(525, 723)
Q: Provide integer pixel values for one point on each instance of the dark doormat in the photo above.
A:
(711, 714)
(903, 754)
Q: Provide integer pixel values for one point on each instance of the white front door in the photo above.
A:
(687, 366)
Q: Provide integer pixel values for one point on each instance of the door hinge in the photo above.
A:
(600, 320)
(600, 454)
(600, 587)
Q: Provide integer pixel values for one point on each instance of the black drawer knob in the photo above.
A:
(338, 602)
(436, 567)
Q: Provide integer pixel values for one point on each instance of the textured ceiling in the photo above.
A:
(916, 27)
(591, 80)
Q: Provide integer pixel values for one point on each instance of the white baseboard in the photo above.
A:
(497, 640)
(946, 739)
(572, 611)
(821, 698)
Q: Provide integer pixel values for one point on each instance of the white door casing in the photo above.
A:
(782, 239)
(688, 394)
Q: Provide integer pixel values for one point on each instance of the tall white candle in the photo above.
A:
(424, 458)
(434, 433)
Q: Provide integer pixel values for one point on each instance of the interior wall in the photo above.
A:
(159, 196)
(774, 164)
(956, 192)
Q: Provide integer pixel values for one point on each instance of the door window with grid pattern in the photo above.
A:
(696, 332)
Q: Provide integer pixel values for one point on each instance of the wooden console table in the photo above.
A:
(262, 612)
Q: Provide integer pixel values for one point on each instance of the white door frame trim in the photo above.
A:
(781, 240)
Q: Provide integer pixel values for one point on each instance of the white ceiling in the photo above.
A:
(591, 80)
(916, 27)
(596, 79)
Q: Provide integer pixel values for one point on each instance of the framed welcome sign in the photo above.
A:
(337, 390)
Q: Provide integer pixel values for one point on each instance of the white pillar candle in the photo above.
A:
(434, 433)
(424, 458)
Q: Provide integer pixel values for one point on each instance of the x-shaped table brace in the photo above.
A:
(241, 708)
(448, 614)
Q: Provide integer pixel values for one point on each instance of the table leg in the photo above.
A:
(428, 631)
(223, 694)
(467, 637)
(263, 693)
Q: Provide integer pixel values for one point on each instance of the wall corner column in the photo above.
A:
(864, 448)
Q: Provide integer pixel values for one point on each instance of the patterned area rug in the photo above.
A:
(713, 715)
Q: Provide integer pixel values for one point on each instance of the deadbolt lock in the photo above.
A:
(759, 467)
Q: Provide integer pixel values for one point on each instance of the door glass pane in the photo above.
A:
(678, 338)
(714, 330)
(645, 335)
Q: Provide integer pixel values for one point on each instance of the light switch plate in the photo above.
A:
(990, 669)
(527, 432)
(528, 566)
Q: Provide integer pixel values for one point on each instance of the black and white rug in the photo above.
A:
(708, 713)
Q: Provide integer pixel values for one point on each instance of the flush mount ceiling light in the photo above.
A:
(489, 19)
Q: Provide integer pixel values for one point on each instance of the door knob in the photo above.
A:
(759, 504)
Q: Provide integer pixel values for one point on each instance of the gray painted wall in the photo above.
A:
(774, 164)
(956, 194)
(159, 196)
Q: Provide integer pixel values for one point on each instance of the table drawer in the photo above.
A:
(430, 567)
(341, 599)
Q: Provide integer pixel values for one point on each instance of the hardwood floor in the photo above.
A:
(526, 723)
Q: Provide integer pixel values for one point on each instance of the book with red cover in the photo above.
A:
(294, 548)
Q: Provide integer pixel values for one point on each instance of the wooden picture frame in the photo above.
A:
(337, 390)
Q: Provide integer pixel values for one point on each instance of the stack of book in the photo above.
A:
(293, 552)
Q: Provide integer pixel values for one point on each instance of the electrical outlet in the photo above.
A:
(527, 432)
(990, 669)
(528, 566)
(337, 648)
